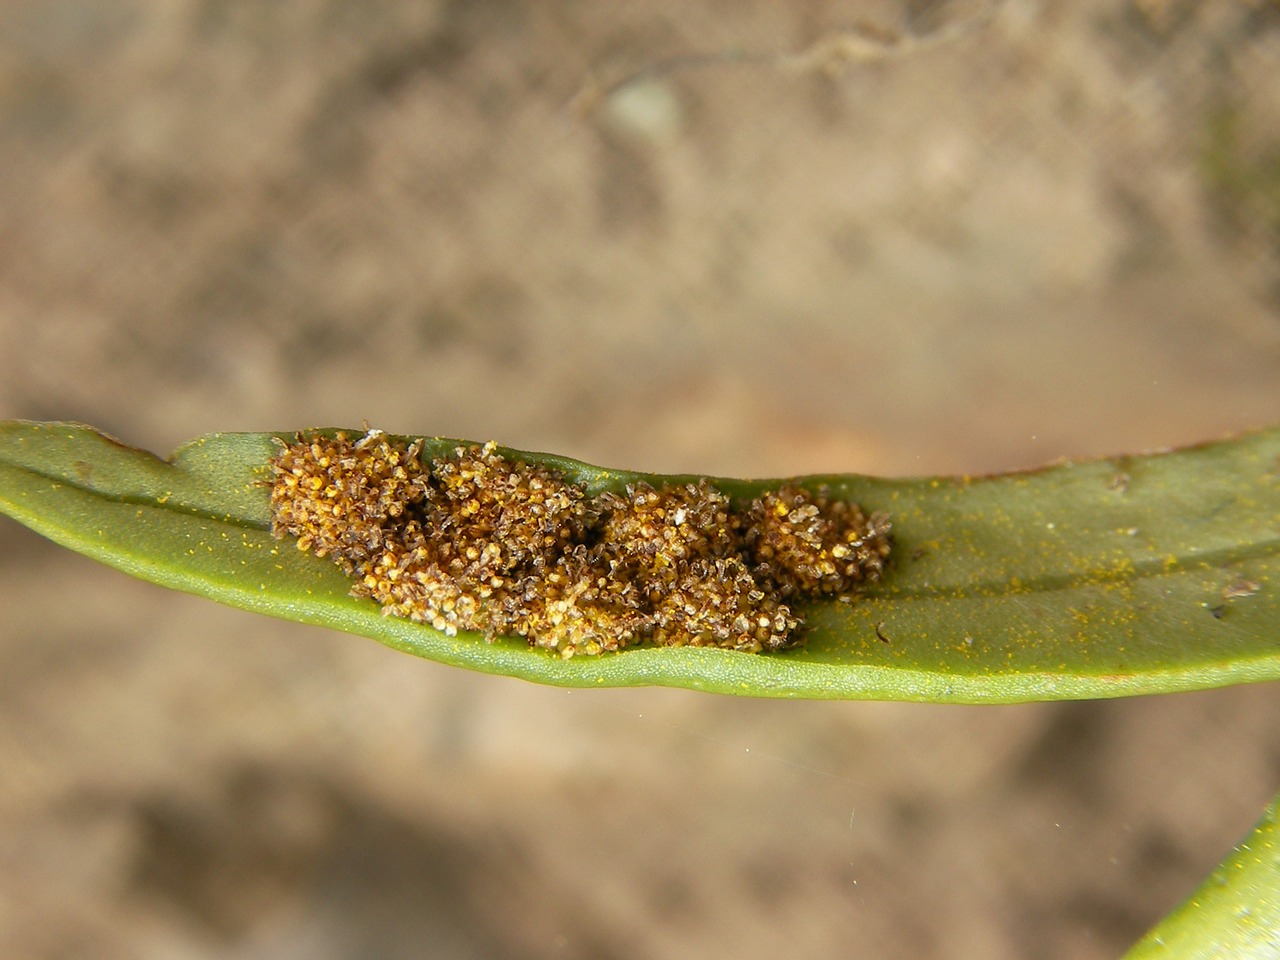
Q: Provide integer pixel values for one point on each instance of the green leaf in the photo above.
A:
(1236, 911)
(1093, 579)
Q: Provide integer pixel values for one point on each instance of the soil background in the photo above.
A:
(743, 239)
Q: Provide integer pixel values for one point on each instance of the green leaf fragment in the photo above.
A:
(1236, 911)
(1089, 579)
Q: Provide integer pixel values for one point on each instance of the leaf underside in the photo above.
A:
(1100, 578)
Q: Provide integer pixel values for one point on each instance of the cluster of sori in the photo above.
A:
(478, 542)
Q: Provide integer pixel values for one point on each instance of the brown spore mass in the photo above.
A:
(477, 542)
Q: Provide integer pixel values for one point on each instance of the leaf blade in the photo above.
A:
(1094, 579)
(1234, 913)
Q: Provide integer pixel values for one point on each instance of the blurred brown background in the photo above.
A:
(754, 238)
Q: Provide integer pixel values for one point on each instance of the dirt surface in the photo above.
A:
(746, 239)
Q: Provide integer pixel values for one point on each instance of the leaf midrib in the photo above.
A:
(173, 503)
(1135, 568)
(1149, 568)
